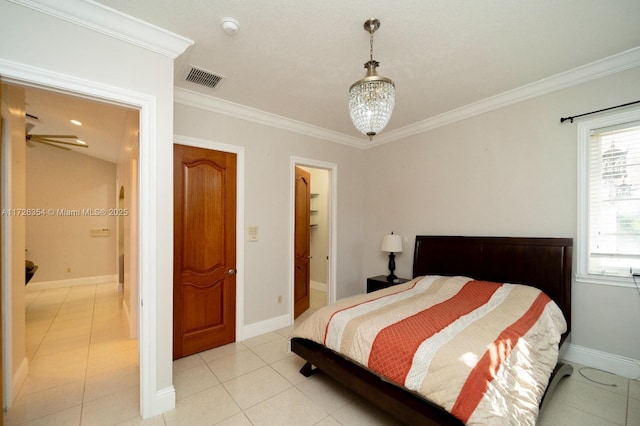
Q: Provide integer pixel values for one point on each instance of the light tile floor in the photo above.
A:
(82, 365)
(90, 377)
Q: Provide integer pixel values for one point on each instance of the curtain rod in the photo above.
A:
(563, 119)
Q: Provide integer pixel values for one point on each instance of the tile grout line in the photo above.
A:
(602, 387)
(86, 369)
(222, 384)
(270, 365)
(35, 353)
(89, 300)
(53, 318)
(61, 303)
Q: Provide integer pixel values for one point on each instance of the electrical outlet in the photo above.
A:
(279, 299)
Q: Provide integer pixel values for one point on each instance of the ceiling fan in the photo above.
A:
(51, 140)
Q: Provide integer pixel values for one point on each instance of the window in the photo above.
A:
(609, 195)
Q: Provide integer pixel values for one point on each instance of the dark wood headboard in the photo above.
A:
(544, 263)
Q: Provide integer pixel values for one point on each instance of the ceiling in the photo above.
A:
(297, 59)
(103, 125)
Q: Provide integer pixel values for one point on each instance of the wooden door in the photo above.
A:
(204, 281)
(302, 251)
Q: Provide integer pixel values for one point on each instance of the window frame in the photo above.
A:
(582, 247)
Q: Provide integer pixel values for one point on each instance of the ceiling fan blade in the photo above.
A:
(49, 143)
(37, 138)
(57, 136)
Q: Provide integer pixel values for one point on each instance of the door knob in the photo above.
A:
(231, 271)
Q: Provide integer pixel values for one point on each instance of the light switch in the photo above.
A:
(100, 232)
(252, 233)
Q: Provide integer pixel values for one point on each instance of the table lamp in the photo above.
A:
(392, 243)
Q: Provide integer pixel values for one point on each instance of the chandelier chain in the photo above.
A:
(371, 45)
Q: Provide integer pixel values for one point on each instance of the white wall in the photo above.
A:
(65, 182)
(60, 53)
(268, 152)
(127, 178)
(509, 172)
(13, 241)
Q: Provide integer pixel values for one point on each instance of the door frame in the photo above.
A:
(240, 234)
(332, 201)
(24, 75)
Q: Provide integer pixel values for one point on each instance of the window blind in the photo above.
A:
(614, 199)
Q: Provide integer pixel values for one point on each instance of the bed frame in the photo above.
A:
(544, 263)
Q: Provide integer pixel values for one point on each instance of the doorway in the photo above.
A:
(239, 152)
(85, 92)
(204, 272)
(321, 230)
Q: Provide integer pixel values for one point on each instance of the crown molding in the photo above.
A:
(601, 68)
(111, 22)
(231, 109)
(116, 24)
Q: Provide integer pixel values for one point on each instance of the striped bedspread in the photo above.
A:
(483, 351)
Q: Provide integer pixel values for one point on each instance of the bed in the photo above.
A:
(543, 263)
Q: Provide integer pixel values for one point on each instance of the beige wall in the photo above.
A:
(268, 153)
(66, 182)
(509, 172)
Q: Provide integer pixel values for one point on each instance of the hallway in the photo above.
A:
(83, 368)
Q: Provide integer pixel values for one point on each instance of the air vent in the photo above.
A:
(203, 78)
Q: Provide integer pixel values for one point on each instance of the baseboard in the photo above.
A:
(617, 364)
(317, 285)
(46, 285)
(18, 379)
(165, 400)
(125, 309)
(267, 326)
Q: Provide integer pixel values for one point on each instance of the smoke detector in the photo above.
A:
(230, 26)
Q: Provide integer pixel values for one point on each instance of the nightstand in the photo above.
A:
(380, 282)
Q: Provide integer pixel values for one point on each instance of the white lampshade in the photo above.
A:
(392, 243)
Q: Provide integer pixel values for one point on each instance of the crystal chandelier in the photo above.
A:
(372, 98)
